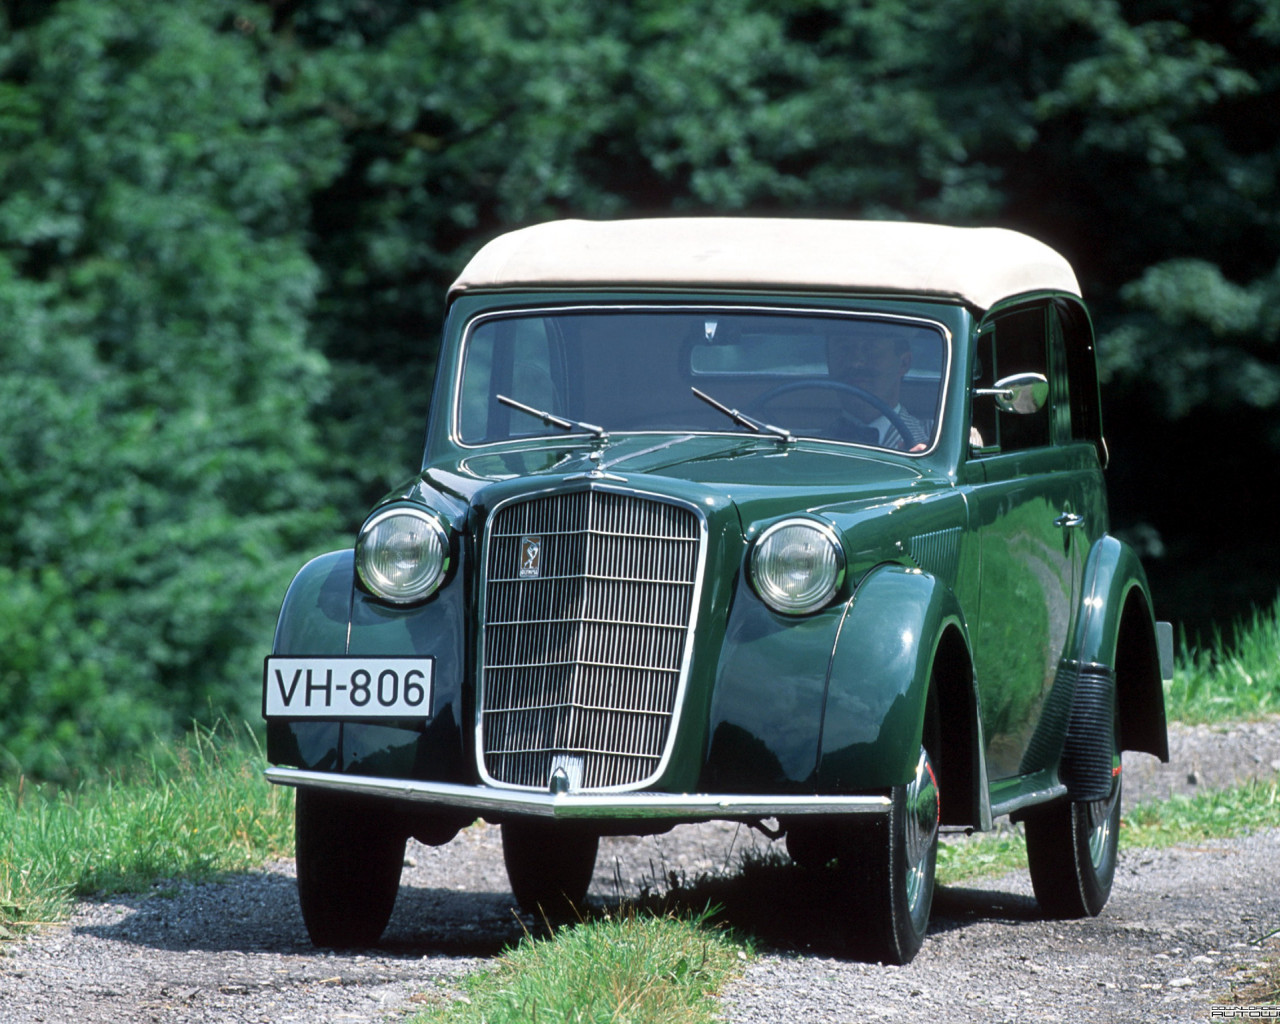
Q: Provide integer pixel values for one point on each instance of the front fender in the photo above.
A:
(878, 683)
(765, 714)
(324, 613)
(314, 620)
(316, 611)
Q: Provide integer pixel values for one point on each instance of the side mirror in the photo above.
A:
(1022, 393)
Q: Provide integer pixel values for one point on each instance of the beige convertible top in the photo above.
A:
(980, 266)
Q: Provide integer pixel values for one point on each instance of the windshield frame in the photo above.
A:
(871, 312)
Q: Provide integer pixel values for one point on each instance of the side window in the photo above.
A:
(1059, 381)
(1082, 373)
(1016, 344)
(984, 435)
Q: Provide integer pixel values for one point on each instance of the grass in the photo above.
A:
(628, 967)
(1217, 814)
(1221, 680)
(196, 811)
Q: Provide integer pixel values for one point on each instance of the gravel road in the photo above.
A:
(1180, 928)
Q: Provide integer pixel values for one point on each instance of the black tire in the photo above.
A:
(549, 867)
(889, 869)
(350, 852)
(1072, 852)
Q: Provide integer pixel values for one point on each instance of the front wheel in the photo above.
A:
(349, 852)
(890, 867)
(549, 866)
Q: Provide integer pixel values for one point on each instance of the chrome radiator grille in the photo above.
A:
(589, 602)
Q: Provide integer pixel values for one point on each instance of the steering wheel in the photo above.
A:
(876, 402)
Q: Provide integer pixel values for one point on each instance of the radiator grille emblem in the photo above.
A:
(530, 558)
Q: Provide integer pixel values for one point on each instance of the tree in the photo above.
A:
(160, 470)
(1137, 137)
(226, 230)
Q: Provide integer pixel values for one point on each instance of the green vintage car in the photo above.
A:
(796, 523)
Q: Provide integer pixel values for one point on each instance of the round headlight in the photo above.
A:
(797, 566)
(402, 555)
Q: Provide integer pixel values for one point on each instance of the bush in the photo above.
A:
(60, 711)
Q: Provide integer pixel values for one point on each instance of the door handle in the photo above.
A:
(1069, 521)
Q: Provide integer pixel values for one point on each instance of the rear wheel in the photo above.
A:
(549, 866)
(1071, 846)
(1071, 853)
(350, 852)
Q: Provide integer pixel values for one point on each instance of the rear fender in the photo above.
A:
(1117, 631)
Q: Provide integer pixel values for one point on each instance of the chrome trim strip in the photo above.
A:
(582, 806)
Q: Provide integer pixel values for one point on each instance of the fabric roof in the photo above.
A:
(980, 266)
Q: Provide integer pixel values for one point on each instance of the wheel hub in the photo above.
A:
(923, 811)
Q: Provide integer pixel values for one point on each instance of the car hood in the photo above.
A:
(761, 476)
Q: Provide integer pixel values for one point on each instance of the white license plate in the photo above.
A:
(342, 687)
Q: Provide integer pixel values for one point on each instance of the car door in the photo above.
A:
(1028, 482)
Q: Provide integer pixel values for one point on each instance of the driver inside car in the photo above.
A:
(874, 359)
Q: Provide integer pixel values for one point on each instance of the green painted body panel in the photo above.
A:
(313, 620)
(317, 607)
(766, 711)
(324, 613)
(1031, 574)
(879, 679)
(832, 702)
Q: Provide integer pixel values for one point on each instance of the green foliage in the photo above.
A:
(63, 712)
(155, 287)
(1200, 340)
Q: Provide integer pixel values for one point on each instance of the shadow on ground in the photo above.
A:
(779, 905)
(792, 909)
(258, 912)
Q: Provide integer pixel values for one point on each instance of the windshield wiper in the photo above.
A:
(743, 420)
(552, 420)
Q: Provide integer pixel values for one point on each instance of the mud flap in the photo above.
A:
(1088, 754)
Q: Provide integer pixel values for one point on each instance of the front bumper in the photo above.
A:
(640, 806)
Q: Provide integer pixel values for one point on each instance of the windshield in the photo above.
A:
(870, 380)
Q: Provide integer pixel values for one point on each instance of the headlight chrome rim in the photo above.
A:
(797, 566)
(417, 570)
